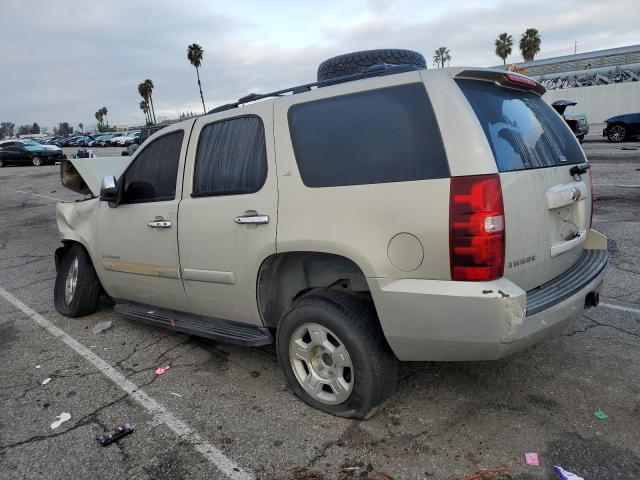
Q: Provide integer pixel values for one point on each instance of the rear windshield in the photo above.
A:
(523, 130)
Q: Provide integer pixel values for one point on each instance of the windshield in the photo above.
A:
(34, 148)
(30, 142)
(523, 130)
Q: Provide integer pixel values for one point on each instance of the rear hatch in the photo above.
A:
(547, 210)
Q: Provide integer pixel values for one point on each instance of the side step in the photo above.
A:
(217, 329)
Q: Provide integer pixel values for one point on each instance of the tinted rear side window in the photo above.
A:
(377, 136)
(231, 158)
(153, 174)
(523, 130)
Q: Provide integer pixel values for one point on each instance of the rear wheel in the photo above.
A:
(617, 133)
(334, 354)
(1, 163)
(77, 288)
(37, 161)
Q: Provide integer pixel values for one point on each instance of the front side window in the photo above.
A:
(377, 136)
(231, 158)
(152, 176)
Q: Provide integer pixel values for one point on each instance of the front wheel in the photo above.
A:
(334, 354)
(77, 288)
(617, 133)
(1, 163)
(37, 161)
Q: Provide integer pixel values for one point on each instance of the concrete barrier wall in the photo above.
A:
(600, 102)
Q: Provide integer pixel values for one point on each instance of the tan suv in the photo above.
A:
(383, 213)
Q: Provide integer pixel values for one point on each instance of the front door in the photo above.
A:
(228, 214)
(137, 241)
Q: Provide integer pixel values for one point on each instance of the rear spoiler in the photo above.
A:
(503, 78)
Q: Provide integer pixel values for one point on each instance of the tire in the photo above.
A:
(38, 161)
(1, 163)
(85, 294)
(581, 138)
(350, 325)
(357, 62)
(617, 133)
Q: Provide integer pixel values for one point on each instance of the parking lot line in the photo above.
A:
(620, 307)
(37, 195)
(160, 413)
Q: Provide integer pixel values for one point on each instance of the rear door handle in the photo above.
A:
(255, 219)
(159, 222)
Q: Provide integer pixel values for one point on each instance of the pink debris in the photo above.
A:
(532, 459)
(161, 370)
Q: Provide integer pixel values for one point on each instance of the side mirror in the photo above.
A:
(108, 189)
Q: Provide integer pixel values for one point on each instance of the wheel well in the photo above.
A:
(285, 277)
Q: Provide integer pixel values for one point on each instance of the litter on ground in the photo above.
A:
(532, 459)
(46, 381)
(115, 434)
(600, 415)
(161, 370)
(102, 326)
(564, 475)
(63, 417)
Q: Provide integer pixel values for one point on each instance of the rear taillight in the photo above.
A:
(476, 228)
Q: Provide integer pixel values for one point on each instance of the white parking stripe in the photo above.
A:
(620, 307)
(159, 412)
(38, 195)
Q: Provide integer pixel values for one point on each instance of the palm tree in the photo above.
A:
(103, 111)
(98, 116)
(143, 90)
(530, 44)
(144, 106)
(195, 54)
(504, 42)
(81, 127)
(441, 56)
(149, 85)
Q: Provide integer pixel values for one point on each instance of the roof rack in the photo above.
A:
(379, 70)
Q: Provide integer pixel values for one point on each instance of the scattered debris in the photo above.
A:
(38, 366)
(63, 417)
(116, 434)
(490, 474)
(161, 370)
(600, 415)
(487, 291)
(532, 459)
(628, 148)
(102, 326)
(176, 394)
(46, 381)
(255, 374)
(564, 475)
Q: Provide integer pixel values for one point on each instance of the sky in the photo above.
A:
(62, 60)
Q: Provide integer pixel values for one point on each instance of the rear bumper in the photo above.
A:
(429, 320)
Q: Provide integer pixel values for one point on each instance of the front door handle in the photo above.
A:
(255, 219)
(159, 222)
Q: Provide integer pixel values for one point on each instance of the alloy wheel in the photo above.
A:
(71, 282)
(617, 133)
(321, 363)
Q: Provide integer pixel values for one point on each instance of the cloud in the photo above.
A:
(61, 61)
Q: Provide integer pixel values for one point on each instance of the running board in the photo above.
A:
(217, 329)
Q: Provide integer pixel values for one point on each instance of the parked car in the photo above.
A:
(17, 152)
(576, 121)
(100, 140)
(622, 127)
(33, 143)
(346, 224)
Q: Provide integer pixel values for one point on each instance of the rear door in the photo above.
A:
(229, 212)
(547, 210)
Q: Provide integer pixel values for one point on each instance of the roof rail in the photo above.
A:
(379, 70)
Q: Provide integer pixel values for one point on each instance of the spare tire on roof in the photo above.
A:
(356, 62)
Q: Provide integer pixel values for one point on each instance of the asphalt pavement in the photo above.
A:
(222, 411)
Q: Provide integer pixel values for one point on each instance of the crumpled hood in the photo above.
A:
(84, 175)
